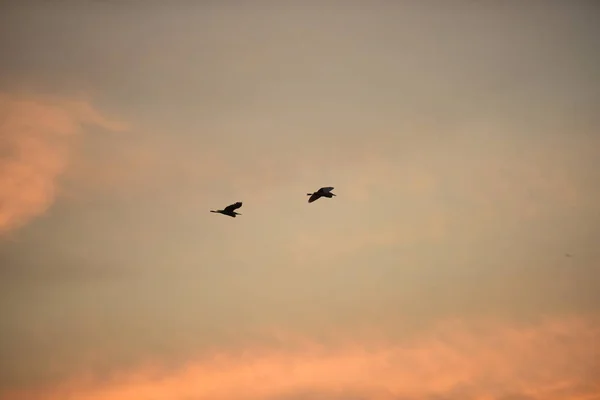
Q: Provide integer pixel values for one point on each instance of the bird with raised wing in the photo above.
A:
(229, 210)
(323, 192)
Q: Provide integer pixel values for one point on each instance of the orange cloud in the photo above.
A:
(36, 136)
(555, 359)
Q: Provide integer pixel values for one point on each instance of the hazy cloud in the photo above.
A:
(36, 138)
(552, 359)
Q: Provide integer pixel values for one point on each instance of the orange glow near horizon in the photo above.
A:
(555, 359)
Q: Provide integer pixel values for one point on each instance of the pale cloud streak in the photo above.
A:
(37, 135)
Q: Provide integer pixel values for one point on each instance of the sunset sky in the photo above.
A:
(460, 259)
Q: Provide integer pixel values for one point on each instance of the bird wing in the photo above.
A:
(314, 197)
(326, 189)
(233, 206)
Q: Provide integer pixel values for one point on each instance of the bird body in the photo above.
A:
(323, 192)
(229, 210)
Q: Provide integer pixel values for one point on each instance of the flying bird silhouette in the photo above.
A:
(323, 192)
(229, 210)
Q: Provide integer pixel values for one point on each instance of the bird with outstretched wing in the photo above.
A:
(323, 192)
(229, 210)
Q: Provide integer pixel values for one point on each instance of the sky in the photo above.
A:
(458, 261)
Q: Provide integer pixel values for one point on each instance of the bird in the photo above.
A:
(229, 210)
(323, 192)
